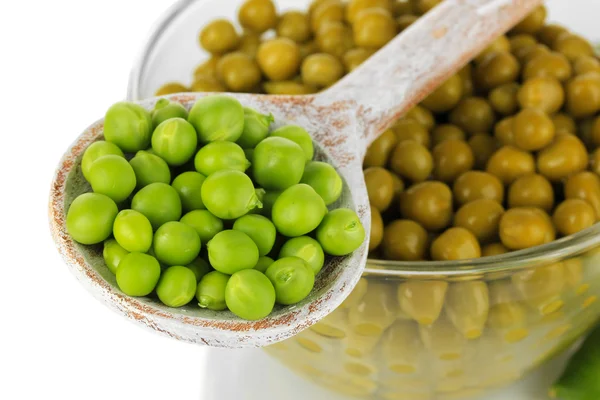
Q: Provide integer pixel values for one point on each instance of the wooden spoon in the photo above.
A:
(343, 121)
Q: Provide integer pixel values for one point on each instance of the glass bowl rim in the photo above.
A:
(513, 261)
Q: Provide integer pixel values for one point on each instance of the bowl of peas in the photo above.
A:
(485, 197)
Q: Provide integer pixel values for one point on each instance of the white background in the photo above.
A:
(62, 64)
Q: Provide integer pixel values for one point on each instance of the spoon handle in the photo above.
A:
(424, 55)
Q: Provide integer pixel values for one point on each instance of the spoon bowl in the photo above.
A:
(342, 121)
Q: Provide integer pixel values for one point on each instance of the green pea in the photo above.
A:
(217, 118)
(149, 168)
(298, 135)
(90, 218)
(292, 279)
(204, 223)
(256, 128)
(324, 179)
(176, 286)
(175, 141)
(231, 251)
(112, 176)
(278, 163)
(138, 274)
(159, 202)
(250, 295)
(211, 291)
(199, 267)
(94, 152)
(165, 109)
(218, 156)
(341, 232)
(188, 186)
(113, 253)
(260, 229)
(306, 248)
(129, 126)
(133, 231)
(229, 194)
(298, 211)
(268, 201)
(176, 243)
(263, 263)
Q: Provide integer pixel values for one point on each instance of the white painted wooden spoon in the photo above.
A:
(343, 121)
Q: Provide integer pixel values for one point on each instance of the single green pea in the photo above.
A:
(138, 274)
(176, 286)
(292, 279)
(133, 231)
(217, 156)
(231, 251)
(256, 128)
(165, 109)
(324, 179)
(341, 232)
(199, 267)
(176, 243)
(113, 253)
(260, 229)
(306, 248)
(229, 194)
(149, 168)
(278, 163)
(188, 186)
(90, 218)
(204, 223)
(112, 176)
(298, 211)
(268, 201)
(250, 295)
(159, 202)
(129, 126)
(211, 291)
(94, 152)
(175, 141)
(298, 135)
(263, 263)
(217, 118)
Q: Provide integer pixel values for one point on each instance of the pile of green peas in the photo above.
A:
(182, 215)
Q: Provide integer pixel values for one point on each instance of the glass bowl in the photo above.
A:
(432, 330)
